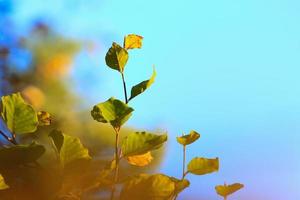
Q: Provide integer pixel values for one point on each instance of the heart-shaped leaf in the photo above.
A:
(141, 142)
(69, 148)
(141, 87)
(19, 116)
(188, 139)
(20, 154)
(225, 190)
(116, 57)
(148, 187)
(113, 111)
(201, 166)
(3, 185)
(140, 160)
(133, 41)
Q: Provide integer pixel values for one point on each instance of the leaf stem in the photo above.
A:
(183, 161)
(117, 153)
(124, 87)
(13, 138)
(117, 159)
(184, 173)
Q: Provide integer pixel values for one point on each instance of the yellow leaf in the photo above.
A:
(44, 118)
(148, 187)
(133, 41)
(188, 139)
(201, 166)
(3, 185)
(140, 160)
(225, 190)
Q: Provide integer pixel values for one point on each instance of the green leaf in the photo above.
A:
(116, 57)
(188, 139)
(133, 41)
(225, 190)
(19, 116)
(141, 142)
(20, 154)
(141, 87)
(69, 148)
(113, 111)
(3, 185)
(180, 185)
(148, 187)
(201, 166)
(57, 138)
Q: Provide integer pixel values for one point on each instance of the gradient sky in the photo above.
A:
(228, 69)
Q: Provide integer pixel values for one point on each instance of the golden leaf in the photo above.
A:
(3, 185)
(188, 139)
(140, 160)
(44, 118)
(225, 190)
(133, 41)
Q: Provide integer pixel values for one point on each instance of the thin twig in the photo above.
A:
(124, 87)
(117, 158)
(5, 136)
(117, 154)
(184, 173)
(183, 162)
(13, 137)
(11, 140)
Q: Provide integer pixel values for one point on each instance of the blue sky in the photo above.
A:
(228, 69)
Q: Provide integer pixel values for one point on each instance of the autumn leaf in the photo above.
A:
(188, 139)
(226, 190)
(180, 185)
(3, 185)
(132, 41)
(140, 160)
(148, 187)
(44, 118)
(152, 187)
(201, 166)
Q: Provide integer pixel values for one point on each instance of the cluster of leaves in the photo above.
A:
(137, 147)
(20, 170)
(21, 165)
